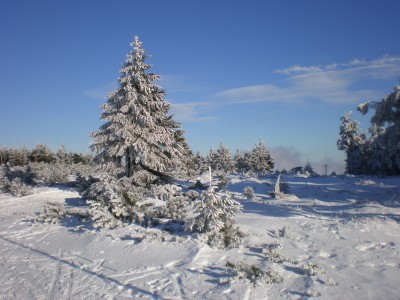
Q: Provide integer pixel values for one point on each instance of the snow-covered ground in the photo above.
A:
(347, 228)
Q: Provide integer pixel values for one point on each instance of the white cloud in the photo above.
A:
(295, 69)
(254, 93)
(190, 112)
(331, 84)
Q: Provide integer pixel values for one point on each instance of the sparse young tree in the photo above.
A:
(139, 139)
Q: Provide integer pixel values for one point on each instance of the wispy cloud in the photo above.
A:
(295, 69)
(333, 83)
(190, 111)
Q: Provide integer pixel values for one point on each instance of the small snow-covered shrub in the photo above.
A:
(176, 208)
(176, 202)
(53, 213)
(192, 195)
(312, 269)
(164, 192)
(113, 202)
(330, 282)
(50, 173)
(101, 216)
(228, 238)
(252, 273)
(140, 234)
(365, 182)
(274, 254)
(214, 211)
(248, 192)
(17, 188)
(216, 215)
(12, 181)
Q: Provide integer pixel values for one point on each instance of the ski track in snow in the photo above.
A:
(348, 227)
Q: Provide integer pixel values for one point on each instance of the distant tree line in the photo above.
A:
(41, 154)
(376, 152)
(257, 160)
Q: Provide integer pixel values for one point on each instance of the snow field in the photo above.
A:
(339, 240)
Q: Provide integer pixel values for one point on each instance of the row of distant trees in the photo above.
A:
(41, 153)
(376, 152)
(257, 160)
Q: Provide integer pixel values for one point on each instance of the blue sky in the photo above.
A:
(234, 71)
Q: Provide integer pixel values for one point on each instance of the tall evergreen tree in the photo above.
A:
(351, 141)
(139, 139)
(385, 133)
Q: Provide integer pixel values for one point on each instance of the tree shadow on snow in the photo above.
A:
(105, 278)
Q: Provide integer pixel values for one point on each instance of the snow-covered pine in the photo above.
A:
(351, 141)
(384, 143)
(215, 219)
(113, 202)
(139, 138)
(261, 159)
(223, 161)
(199, 163)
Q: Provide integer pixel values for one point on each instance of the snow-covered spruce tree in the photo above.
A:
(352, 141)
(139, 139)
(216, 215)
(261, 159)
(41, 153)
(383, 145)
(224, 161)
(199, 163)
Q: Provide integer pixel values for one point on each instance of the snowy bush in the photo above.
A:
(216, 215)
(248, 192)
(312, 269)
(50, 173)
(176, 208)
(53, 213)
(113, 202)
(330, 282)
(192, 195)
(214, 212)
(229, 237)
(252, 273)
(274, 254)
(17, 188)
